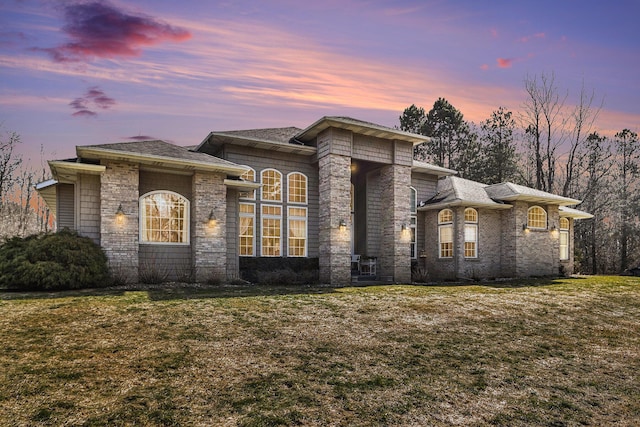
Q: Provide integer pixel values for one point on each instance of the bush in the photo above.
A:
(57, 261)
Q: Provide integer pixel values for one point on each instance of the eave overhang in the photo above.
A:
(66, 171)
(566, 212)
(428, 168)
(465, 203)
(241, 184)
(369, 129)
(218, 139)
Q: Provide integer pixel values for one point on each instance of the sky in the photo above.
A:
(93, 72)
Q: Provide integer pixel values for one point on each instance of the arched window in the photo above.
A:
(564, 239)
(247, 230)
(537, 218)
(271, 181)
(414, 220)
(250, 176)
(297, 190)
(164, 218)
(470, 233)
(445, 233)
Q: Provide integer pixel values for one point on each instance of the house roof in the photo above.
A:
(358, 126)
(456, 191)
(273, 139)
(431, 169)
(574, 213)
(508, 191)
(159, 153)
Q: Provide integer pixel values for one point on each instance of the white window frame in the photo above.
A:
(442, 225)
(306, 230)
(565, 255)
(529, 224)
(252, 192)
(262, 188)
(252, 216)
(413, 200)
(471, 225)
(186, 227)
(263, 217)
(306, 188)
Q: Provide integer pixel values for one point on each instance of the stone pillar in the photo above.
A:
(208, 238)
(334, 204)
(395, 249)
(119, 236)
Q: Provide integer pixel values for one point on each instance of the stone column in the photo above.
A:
(395, 249)
(119, 236)
(208, 238)
(334, 204)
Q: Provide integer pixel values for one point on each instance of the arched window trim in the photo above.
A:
(441, 214)
(262, 192)
(530, 224)
(306, 188)
(564, 224)
(470, 233)
(142, 218)
(249, 194)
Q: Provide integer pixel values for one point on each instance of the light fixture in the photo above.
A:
(120, 214)
(554, 232)
(343, 224)
(212, 219)
(525, 228)
(404, 227)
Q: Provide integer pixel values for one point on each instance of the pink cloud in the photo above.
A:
(526, 39)
(484, 67)
(505, 62)
(93, 97)
(100, 30)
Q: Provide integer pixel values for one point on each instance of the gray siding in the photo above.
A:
(372, 149)
(66, 217)
(170, 261)
(154, 181)
(425, 186)
(89, 206)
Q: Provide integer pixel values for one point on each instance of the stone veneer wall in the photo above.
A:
(537, 251)
(395, 250)
(119, 185)
(487, 264)
(209, 243)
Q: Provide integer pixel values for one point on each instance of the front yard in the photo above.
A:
(562, 352)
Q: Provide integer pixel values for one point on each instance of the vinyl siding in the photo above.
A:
(89, 206)
(66, 217)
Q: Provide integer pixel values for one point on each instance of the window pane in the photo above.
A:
(470, 233)
(537, 217)
(470, 215)
(164, 218)
(297, 188)
(247, 227)
(445, 216)
(271, 185)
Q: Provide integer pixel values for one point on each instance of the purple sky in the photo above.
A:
(75, 73)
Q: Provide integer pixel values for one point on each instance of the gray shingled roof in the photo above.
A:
(508, 191)
(155, 151)
(456, 191)
(280, 135)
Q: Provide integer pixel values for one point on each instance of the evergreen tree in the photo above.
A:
(499, 159)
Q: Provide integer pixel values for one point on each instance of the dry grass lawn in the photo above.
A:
(548, 353)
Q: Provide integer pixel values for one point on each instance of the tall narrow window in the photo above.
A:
(445, 233)
(414, 220)
(247, 229)
(271, 185)
(297, 190)
(250, 176)
(297, 236)
(271, 230)
(470, 233)
(164, 218)
(564, 239)
(537, 218)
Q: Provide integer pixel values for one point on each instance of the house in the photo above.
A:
(344, 192)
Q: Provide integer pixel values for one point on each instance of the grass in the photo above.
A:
(548, 353)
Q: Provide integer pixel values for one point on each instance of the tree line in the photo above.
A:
(552, 146)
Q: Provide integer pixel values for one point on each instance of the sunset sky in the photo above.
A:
(76, 73)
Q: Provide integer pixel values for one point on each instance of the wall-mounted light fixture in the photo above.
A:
(554, 232)
(212, 219)
(525, 228)
(404, 227)
(343, 224)
(120, 214)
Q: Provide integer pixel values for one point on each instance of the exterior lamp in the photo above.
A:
(554, 232)
(120, 215)
(404, 227)
(212, 219)
(525, 228)
(343, 224)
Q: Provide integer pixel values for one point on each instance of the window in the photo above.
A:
(445, 233)
(250, 176)
(470, 233)
(271, 230)
(247, 229)
(297, 236)
(537, 218)
(297, 191)
(164, 218)
(271, 185)
(564, 239)
(414, 220)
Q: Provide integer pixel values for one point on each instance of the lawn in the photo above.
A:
(548, 353)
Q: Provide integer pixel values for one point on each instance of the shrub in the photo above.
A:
(56, 261)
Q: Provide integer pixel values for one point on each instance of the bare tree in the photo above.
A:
(9, 163)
